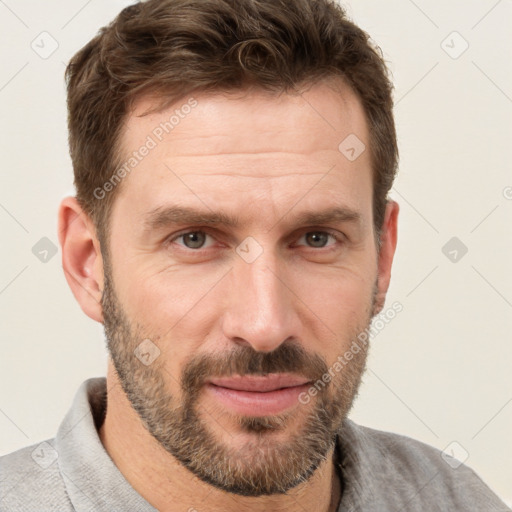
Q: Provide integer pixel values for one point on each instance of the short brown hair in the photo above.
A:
(172, 48)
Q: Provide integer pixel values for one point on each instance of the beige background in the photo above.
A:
(440, 371)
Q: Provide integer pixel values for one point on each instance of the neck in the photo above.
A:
(168, 486)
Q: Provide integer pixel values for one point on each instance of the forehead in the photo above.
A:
(320, 116)
(252, 143)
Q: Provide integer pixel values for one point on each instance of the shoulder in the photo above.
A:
(411, 474)
(31, 480)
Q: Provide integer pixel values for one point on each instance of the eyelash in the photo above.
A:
(338, 237)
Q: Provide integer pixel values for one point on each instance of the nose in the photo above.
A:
(259, 305)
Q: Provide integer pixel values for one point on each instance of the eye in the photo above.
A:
(318, 239)
(192, 239)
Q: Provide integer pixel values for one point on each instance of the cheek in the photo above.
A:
(337, 309)
(176, 310)
(337, 293)
(156, 293)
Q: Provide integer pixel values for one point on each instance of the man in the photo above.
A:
(232, 232)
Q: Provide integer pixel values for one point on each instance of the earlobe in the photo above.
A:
(386, 253)
(81, 257)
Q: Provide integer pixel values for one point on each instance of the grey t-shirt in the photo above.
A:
(382, 472)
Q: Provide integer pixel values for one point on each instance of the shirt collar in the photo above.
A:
(92, 480)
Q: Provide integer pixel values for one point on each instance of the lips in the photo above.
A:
(257, 395)
(259, 383)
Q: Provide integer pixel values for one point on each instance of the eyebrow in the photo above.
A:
(162, 217)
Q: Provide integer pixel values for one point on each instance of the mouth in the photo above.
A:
(258, 395)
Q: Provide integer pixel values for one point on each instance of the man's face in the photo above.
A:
(242, 244)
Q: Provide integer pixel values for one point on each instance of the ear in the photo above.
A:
(81, 257)
(386, 253)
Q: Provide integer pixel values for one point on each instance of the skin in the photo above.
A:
(264, 160)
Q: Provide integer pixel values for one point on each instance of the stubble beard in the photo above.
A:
(263, 466)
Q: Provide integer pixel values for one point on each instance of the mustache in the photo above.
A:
(289, 357)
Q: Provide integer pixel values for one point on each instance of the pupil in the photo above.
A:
(317, 239)
(194, 240)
